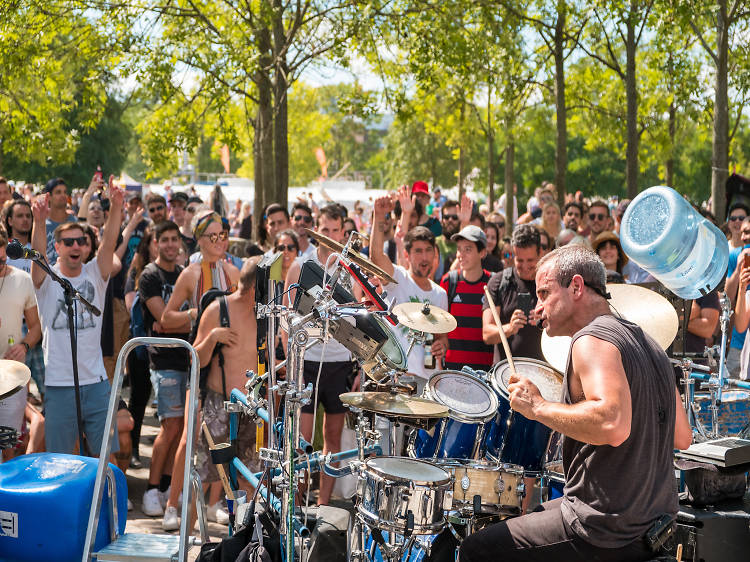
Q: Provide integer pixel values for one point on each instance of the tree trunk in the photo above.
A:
(263, 140)
(720, 144)
(631, 95)
(490, 154)
(460, 172)
(510, 219)
(669, 166)
(561, 113)
(280, 116)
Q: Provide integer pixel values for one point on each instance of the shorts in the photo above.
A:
(12, 409)
(169, 387)
(217, 420)
(60, 422)
(334, 379)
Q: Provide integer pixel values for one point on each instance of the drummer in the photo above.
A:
(620, 416)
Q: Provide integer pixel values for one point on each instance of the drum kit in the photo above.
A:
(467, 459)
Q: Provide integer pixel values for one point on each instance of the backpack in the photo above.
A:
(206, 299)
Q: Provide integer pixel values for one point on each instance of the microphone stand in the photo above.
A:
(71, 294)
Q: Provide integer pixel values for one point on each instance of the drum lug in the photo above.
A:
(465, 482)
(448, 500)
(500, 485)
(521, 489)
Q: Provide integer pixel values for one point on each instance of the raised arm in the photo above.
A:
(83, 210)
(40, 211)
(127, 232)
(741, 311)
(111, 230)
(381, 207)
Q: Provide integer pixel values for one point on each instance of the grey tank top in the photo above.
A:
(613, 494)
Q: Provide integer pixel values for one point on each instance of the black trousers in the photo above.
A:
(140, 391)
(544, 536)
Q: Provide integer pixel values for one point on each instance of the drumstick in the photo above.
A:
(679, 553)
(503, 339)
(219, 467)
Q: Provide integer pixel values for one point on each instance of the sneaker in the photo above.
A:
(152, 503)
(135, 462)
(170, 521)
(217, 513)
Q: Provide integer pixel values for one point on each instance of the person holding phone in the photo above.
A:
(514, 291)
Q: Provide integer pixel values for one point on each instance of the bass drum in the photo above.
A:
(471, 404)
(512, 438)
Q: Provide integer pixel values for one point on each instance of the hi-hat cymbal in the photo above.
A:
(13, 377)
(394, 405)
(423, 317)
(642, 306)
(354, 256)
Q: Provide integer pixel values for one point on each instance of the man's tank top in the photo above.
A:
(613, 494)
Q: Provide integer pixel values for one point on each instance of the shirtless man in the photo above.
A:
(239, 348)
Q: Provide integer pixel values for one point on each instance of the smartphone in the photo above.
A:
(746, 261)
(524, 303)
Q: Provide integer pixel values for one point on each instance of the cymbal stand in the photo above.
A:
(687, 366)
(415, 338)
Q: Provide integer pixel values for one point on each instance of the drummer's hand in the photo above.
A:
(517, 321)
(524, 396)
(16, 352)
(438, 347)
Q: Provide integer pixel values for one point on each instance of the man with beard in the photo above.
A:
(572, 215)
(413, 284)
(598, 219)
(90, 279)
(449, 214)
(301, 219)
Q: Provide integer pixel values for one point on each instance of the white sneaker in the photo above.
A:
(152, 503)
(217, 513)
(170, 521)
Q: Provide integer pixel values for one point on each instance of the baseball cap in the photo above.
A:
(472, 233)
(52, 184)
(179, 196)
(195, 200)
(420, 187)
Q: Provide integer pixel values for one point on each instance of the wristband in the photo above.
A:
(23, 343)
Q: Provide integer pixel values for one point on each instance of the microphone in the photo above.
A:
(16, 251)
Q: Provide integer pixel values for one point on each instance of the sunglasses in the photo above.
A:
(500, 224)
(303, 218)
(191, 209)
(737, 218)
(215, 236)
(450, 217)
(597, 216)
(157, 208)
(282, 247)
(82, 241)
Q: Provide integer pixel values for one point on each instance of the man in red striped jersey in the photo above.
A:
(465, 288)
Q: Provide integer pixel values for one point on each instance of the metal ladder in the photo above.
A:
(145, 547)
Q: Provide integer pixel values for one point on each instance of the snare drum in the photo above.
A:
(500, 487)
(524, 441)
(472, 403)
(396, 493)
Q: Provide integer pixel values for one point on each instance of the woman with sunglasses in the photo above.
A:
(737, 213)
(287, 244)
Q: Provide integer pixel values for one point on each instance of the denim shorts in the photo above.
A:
(170, 387)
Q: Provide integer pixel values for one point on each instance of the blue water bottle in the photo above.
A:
(662, 233)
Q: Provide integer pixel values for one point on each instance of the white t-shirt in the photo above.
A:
(408, 291)
(55, 337)
(16, 295)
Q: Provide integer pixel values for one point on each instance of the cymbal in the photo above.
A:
(423, 317)
(647, 308)
(13, 377)
(394, 405)
(353, 255)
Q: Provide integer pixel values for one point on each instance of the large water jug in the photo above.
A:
(662, 233)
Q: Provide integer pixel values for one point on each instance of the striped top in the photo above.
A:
(465, 344)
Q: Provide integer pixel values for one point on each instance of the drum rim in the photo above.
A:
(389, 329)
(460, 416)
(481, 464)
(500, 389)
(380, 473)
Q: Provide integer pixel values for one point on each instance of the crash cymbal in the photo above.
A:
(424, 317)
(13, 376)
(395, 405)
(642, 306)
(354, 256)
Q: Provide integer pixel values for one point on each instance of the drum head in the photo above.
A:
(468, 398)
(408, 470)
(547, 379)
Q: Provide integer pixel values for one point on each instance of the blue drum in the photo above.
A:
(512, 438)
(471, 404)
(425, 548)
(554, 481)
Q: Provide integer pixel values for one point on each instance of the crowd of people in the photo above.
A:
(146, 261)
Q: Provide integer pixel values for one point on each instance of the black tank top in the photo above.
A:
(613, 494)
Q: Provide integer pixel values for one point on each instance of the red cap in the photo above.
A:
(420, 187)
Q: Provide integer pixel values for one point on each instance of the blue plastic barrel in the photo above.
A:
(45, 500)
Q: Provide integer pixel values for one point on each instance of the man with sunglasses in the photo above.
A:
(598, 219)
(301, 219)
(156, 206)
(90, 279)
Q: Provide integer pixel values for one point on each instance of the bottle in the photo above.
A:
(663, 234)
(11, 341)
(429, 358)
